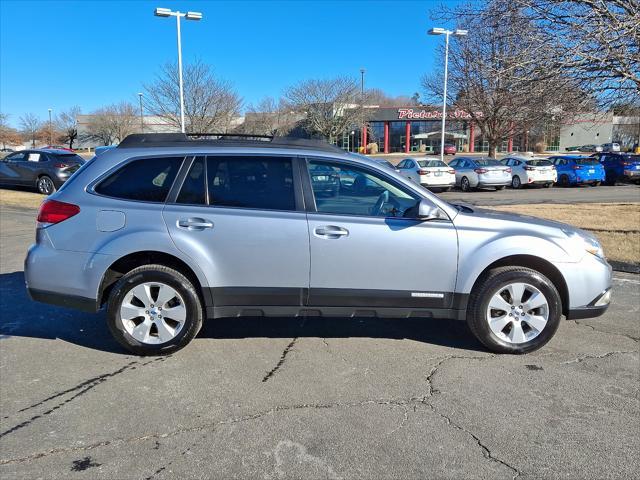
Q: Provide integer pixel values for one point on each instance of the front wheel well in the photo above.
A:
(538, 264)
(137, 259)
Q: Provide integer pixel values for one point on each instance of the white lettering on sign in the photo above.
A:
(411, 114)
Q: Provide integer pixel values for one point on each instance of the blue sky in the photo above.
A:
(56, 54)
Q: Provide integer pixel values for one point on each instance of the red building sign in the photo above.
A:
(424, 114)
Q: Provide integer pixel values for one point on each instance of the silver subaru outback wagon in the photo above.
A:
(165, 231)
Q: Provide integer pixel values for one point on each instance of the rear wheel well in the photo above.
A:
(539, 265)
(137, 259)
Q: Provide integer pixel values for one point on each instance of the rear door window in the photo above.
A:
(145, 179)
(251, 182)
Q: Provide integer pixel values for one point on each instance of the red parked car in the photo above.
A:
(449, 149)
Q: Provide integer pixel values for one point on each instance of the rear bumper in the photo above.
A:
(494, 183)
(63, 300)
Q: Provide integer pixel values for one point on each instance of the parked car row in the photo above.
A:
(468, 173)
(605, 147)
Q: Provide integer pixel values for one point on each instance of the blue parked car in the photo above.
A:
(578, 170)
(620, 167)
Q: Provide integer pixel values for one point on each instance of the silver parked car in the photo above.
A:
(531, 171)
(165, 231)
(473, 172)
(428, 173)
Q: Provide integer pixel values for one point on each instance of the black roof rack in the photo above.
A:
(142, 140)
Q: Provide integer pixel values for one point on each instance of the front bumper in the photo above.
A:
(589, 286)
(597, 307)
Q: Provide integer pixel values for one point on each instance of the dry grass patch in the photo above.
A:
(20, 198)
(617, 225)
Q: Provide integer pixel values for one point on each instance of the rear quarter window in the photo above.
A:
(146, 179)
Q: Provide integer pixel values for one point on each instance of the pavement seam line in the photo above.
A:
(604, 355)
(637, 340)
(283, 357)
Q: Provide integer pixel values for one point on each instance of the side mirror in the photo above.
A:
(429, 211)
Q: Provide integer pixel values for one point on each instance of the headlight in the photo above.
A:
(588, 243)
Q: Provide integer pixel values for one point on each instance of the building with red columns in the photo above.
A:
(390, 127)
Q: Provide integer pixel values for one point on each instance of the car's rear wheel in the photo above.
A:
(45, 185)
(515, 182)
(564, 180)
(154, 310)
(465, 185)
(514, 310)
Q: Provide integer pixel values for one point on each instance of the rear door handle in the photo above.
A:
(331, 231)
(194, 223)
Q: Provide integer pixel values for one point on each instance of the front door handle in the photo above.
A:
(331, 231)
(194, 223)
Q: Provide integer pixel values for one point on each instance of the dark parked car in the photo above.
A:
(619, 167)
(43, 169)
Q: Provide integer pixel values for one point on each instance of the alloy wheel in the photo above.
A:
(45, 186)
(517, 313)
(153, 313)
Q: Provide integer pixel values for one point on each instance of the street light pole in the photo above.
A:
(50, 129)
(166, 12)
(363, 136)
(141, 114)
(446, 33)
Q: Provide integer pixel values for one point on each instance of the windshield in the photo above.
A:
(587, 161)
(431, 163)
(539, 163)
(488, 162)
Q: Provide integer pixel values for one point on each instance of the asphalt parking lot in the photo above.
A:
(312, 398)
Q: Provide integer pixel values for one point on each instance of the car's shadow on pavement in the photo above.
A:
(22, 317)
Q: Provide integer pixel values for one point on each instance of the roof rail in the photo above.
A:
(142, 140)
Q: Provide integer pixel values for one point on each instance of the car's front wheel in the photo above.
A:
(514, 310)
(154, 310)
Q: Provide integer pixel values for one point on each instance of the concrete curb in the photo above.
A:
(625, 267)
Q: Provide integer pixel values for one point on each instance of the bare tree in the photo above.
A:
(375, 96)
(67, 125)
(597, 42)
(31, 128)
(113, 123)
(269, 117)
(8, 134)
(331, 107)
(210, 104)
(499, 77)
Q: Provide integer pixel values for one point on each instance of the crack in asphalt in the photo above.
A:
(81, 389)
(432, 392)
(604, 355)
(283, 357)
(630, 337)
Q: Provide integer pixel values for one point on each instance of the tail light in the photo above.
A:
(480, 170)
(53, 211)
(423, 172)
(61, 165)
(452, 171)
(529, 168)
(508, 170)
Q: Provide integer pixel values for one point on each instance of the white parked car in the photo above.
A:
(610, 147)
(526, 171)
(480, 172)
(428, 173)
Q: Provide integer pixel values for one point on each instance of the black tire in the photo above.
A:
(515, 182)
(465, 186)
(501, 187)
(564, 181)
(492, 282)
(45, 185)
(170, 277)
